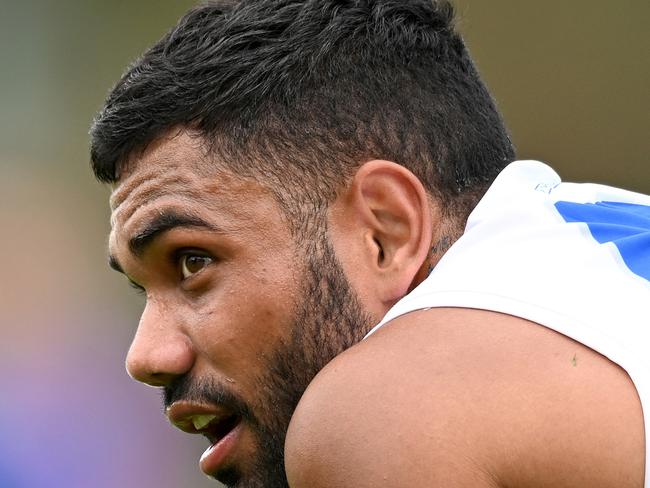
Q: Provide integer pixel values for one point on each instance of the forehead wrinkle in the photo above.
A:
(146, 183)
(152, 190)
(167, 156)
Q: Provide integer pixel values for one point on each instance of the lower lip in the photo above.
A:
(215, 455)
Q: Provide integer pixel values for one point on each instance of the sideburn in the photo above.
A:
(328, 320)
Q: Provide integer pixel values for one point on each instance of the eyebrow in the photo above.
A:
(164, 222)
(161, 223)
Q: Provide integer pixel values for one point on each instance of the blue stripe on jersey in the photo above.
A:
(626, 225)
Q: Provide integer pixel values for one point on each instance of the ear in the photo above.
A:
(390, 214)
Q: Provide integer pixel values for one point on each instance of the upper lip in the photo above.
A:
(187, 416)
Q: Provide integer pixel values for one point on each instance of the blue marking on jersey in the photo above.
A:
(626, 225)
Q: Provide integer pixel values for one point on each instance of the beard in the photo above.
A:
(328, 320)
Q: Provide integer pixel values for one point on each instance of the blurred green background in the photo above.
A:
(570, 77)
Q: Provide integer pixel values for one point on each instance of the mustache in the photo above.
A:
(207, 391)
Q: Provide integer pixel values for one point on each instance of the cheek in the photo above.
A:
(244, 322)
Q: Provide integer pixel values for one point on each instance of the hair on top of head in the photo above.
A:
(312, 89)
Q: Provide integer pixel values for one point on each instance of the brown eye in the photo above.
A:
(192, 264)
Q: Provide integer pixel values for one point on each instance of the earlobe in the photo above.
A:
(396, 215)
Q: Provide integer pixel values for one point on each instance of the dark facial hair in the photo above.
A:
(328, 320)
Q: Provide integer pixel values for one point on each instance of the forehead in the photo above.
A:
(173, 174)
(169, 164)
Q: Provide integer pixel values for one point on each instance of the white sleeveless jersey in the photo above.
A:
(572, 257)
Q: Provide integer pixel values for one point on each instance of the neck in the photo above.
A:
(444, 236)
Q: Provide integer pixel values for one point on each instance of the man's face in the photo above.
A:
(239, 317)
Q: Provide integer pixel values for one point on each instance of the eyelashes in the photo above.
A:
(138, 289)
(186, 264)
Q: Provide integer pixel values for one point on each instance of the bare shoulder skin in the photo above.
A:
(459, 397)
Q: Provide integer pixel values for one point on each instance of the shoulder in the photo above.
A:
(458, 397)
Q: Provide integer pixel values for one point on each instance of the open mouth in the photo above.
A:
(221, 426)
(211, 424)
(216, 429)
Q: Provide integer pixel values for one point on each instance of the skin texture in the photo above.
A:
(203, 328)
(443, 397)
(261, 315)
(468, 398)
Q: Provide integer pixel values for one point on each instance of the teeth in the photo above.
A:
(201, 421)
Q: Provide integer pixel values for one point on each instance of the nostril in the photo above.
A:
(160, 379)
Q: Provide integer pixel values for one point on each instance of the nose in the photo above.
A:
(160, 351)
